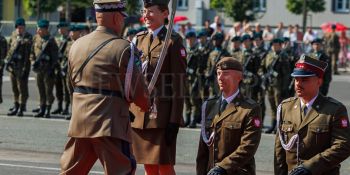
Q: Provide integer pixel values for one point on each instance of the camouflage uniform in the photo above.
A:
(204, 50)
(327, 78)
(3, 52)
(276, 72)
(19, 67)
(44, 57)
(292, 58)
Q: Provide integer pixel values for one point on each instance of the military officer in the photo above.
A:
(313, 130)
(18, 66)
(215, 55)
(192, 100)
(3, 53)
(260, 53)
(63, 30)
(275, 70)
(333, 47)
(231, 126)
(319, 54)
(155, 133)
(44, 57)
(103, 88)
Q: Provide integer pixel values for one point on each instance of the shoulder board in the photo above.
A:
(142, 33)
(289, 99)
(333, 100)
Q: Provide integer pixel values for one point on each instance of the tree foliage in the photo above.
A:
(296, 6)
(238, 10)
(133, 7)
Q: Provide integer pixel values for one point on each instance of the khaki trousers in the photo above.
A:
(80, 155)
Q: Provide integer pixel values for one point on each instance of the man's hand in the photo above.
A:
(171, 132)
(217, 171)
(300, 170)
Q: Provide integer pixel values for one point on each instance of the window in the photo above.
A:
(259, 5)
(342, 5)
(182, 4)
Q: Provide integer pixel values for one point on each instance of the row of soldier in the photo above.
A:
(47, 57)
(266, 72)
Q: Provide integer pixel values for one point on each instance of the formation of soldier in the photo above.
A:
(47, 57)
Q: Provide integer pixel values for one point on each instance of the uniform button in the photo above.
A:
(216, 149)
(217, 127)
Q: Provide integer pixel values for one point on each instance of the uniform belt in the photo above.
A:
(105, 92)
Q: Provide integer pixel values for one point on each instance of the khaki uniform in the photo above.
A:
(324, 136)
(211, 83)
(328, 73)
(278, 76)
(100, 125)
(237, 135)
(45, 74)
(332, 46)
(19, 65)
(3, 52)
(149, 132)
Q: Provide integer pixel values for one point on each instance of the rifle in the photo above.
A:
(269, 75)
(41, 57)
(10, 64)
(212, 71)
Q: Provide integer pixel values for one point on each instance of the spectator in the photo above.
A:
(190, 28)
(268, 35)
(298, 33)
(279, 30)
(344, 43)
(258, 29)
(290, 34)
(236, 30)
(217, 20)
(309, 36)
(247, 30)
(207, 28)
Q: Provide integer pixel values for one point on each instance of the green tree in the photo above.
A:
(133, 7)
(238, 10)
(303, 7)
(37, 7)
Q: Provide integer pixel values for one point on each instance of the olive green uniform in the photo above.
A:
(332, 46)
(19, 67)
(45, 59)
(3, 52)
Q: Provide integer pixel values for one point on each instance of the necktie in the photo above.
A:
(151, 39)
(303, 111)
(223, 105)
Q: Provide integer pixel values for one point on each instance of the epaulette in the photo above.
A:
(333, 100)
(141, 33)
(289, 99)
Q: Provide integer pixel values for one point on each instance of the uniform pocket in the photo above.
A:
(231, 131)
(318, 133)
(287, 132)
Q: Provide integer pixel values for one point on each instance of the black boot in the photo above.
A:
(36, 110)
(41, 112)
(68, 117)
(15, 105)
(66, 109)
(21, 109)
(187, 120)
(14, 110)
(193, 123)
(59, 108)
(48, 108)
(272, 129)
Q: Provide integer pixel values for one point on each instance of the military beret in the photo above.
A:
(141, 29)
(131, 32)
(245, 37)
(308, 67)
(20, 22)
(191, 35)
(110, 6)
(286, 39)
(277, 40)
(218, 36)
(236, 38)
(43, 23)
(317, 40)
(257, 36)
(202, 33)
(229, 63)
(149, 3)
(62, 24)
(76, 28)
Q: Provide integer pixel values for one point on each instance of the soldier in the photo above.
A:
(319, 54)
(3, 53)
(155, 133)
(131, 34)
(250, 65)
(215, 55)
(275, 71)
(236, 47)
(103, 88)
(260, 53)
(313, 130)
(63, 30)
(205, 46)
(18, 66)
(332, 48)
(44, 57)
(231, 126)
(193, 101)
(292, 58)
